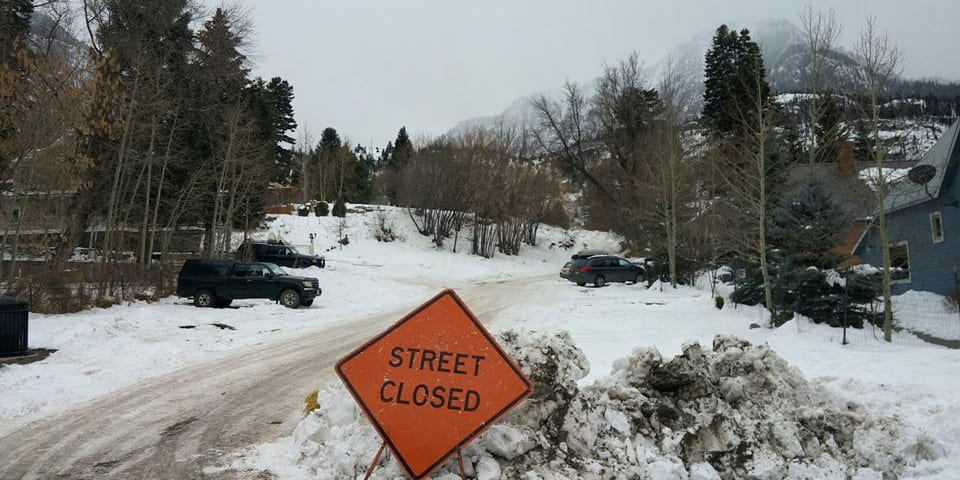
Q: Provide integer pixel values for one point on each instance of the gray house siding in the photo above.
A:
(932, 265)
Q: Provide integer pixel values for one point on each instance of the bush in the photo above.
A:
(813, 293)
(340, 208)
(323, 209)
(303, 211)
(718, 302)
(383, 231)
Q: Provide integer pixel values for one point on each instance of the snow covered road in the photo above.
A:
(175, 425)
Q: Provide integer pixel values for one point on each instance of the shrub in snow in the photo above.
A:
(340, 208)
(323, 209)
(718, 302)
(834, 297)
(383, 228)
(733, 411)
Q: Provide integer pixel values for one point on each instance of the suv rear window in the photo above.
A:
(204, 268)
(602, 262)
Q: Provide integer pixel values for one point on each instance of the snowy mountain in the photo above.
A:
(48, 34)
(785, 57)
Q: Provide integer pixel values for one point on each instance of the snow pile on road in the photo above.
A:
(736, 411)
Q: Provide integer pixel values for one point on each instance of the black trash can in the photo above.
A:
(14, 322)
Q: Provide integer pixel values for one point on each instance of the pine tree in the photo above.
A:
(329, 141)
(402, 150)
(721, 67)
(222, 67)
(272, 105)
(863, 148)
(362, 184)
(386, 156)
(732, 65)
(340, 208)
(830, 130)
(14, 28)
(15, 18)
(808, 227)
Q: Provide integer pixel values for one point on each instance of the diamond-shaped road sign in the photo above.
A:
(432, 382)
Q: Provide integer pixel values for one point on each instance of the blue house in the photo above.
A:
(923, 222)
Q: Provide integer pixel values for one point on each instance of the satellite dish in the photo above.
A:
(922, 174)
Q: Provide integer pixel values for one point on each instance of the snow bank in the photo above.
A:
(734, 411)
(928, 313)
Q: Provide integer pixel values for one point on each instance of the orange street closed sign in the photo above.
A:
(433, 382)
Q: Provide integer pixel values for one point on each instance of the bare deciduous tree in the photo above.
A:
(821, 31)
(746, 170)
(672, 162)
(879, 62)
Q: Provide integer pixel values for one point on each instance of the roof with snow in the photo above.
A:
(941, 156)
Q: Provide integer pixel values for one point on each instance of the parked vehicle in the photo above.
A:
(217, 283)
(277, 253)
(584, 254)
(565, 270)
(602, 269)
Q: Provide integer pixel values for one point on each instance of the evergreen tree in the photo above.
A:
(284, 122)
(386, 156)
(329, 141)
(720, 69)
(863, 147)
(808, 227)
(222, 67)
(272, 105)
(14, 28)
(15, 18)
(402, 150)
(732, 64)
(362, 183)
(830, 130)
(340, 208)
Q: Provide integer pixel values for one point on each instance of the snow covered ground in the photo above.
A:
(927, 313)
(103, 350)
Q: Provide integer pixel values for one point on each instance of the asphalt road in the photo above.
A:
(173, 426)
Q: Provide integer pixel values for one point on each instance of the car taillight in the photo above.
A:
(585, 269)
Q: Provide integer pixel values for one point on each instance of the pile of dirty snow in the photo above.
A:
(736, 411)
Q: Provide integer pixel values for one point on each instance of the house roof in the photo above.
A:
(942, 155)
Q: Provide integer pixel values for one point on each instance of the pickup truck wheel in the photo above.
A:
(204, 299)
(290, 298)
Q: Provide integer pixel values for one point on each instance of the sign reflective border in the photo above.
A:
(433, 382)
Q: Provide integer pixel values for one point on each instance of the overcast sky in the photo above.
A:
(369, 67)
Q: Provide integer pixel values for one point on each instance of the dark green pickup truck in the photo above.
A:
(216, 283)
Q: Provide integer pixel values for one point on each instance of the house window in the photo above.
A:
(900, 263)
(936, 227)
